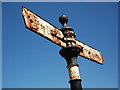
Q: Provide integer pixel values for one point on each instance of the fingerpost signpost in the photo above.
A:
(65, 38)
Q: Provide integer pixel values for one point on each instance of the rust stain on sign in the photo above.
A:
(90, 53)
(42, 27)
(50, 32)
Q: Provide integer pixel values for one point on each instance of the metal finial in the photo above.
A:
(63, 19)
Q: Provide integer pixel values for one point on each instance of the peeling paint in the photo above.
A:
(74, 72)
(42, 27)
(90, 53)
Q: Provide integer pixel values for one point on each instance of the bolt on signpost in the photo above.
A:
(65, 38)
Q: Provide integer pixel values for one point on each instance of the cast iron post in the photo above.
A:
(70, 54)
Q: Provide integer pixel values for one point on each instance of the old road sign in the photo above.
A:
(50, 32)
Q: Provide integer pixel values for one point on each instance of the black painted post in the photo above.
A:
(70, 54)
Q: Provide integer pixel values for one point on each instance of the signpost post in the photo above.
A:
(65, 38)
(70, 53)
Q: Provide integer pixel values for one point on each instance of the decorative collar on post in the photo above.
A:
(68, 32)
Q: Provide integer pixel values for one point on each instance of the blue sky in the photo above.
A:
(30, 61)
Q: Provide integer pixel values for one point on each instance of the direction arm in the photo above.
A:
(90, 53)
(42, 27)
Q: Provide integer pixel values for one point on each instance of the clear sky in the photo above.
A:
(30, 61)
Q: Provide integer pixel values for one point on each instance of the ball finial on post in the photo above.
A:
(63, 19)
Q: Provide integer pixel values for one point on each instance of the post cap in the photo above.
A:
(63, 19)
